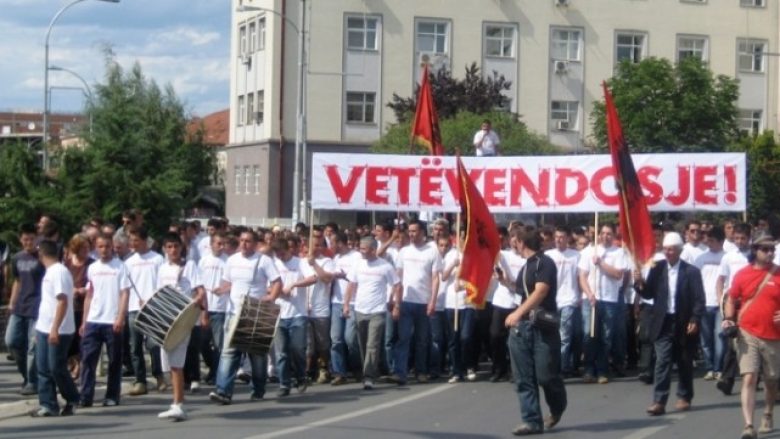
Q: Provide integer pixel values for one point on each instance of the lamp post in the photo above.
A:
(46, 79)
(87, 89)
(300, 108)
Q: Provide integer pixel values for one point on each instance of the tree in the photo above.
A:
(763, 173)
(474, 93)
(670, 108)
(458, 132)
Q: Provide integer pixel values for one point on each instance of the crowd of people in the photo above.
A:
(384, 304)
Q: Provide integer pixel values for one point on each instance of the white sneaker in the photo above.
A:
(454, 379)
(710, 376)
(471, 375)
(195, 387)
(368, 384)
(175, 412)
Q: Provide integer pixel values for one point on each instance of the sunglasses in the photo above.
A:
(767, 248)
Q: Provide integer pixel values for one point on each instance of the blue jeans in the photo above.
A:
(391, 339)
(461, 342)
(95, 335)
(414, 322)
(137, 352)
(440, 334)
(229, 362)
(570, 330)
(536, 361)
(711, 341)
(53, 371)
(20, 339)
(291, 351)
(344, 348)
(598, 348)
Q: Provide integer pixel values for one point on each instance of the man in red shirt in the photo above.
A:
(756, 292)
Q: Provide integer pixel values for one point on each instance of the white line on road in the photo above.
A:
(646, 432)
(356, 414)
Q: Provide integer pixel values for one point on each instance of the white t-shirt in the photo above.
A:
(729, 246)
(203, 245)
(143, 277)
(731, 263)
(709, 264)
(511, 263)
(488, 142)
(566, 262)
(373, 279)
(690, 252)
(291, 271)
(56, 282)
(183, 279)
(248, 276)
(212, 269)
(319, 293)
(448, 261)
(609, 287)
(344, 264)
(107, 280)
(418, 265)
(391, 255)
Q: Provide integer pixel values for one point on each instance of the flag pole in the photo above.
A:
(310, 253)
(457, 279)
(595, 272)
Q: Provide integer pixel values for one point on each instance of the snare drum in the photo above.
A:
(167, 317)
(253, 327)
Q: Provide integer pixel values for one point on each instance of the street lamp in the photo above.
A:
(46, 78)
(300, 107)
(87, 89)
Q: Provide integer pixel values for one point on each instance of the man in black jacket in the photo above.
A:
(678, 294)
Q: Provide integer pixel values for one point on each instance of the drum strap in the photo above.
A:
(132, 284)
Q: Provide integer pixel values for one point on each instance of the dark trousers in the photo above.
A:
(730, 362)
(671, 347)
(536, 362)
(461, 342)
(498, 337)
(95, 335)
(192, 360)
(646, 350)
(137, 352)
(481, 337)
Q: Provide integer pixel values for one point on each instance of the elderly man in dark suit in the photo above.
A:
(678, 294)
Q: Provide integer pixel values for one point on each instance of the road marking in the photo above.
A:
(646, 432)
(356, 414)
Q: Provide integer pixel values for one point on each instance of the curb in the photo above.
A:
(19, 408)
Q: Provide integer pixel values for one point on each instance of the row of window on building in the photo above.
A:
(251, 108)
(247, 180)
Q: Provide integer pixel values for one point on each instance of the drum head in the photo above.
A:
(182, 326)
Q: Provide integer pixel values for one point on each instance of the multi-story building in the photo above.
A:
(555, 52)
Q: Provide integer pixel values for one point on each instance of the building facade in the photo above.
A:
(555, 52)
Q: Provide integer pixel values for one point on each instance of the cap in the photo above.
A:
(673, 239)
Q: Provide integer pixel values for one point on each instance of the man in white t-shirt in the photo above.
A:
(388, 240)
(344, 346)
(142, 268)
(54, 331)
(693, 242)
(486, 141)
(369, 280)
(567, 298)
(212, 268)
(319, 306)
(418, 267)
(602, 274)
(247, 273)
(710, 326)
(105, 309)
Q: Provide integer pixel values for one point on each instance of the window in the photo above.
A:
(360, 107)
(252, 37)
(361, 33)
(261, 34)
(563, 114)
(750, 53)
(566, 44)
(690, 46)
(630, 46)
(256, 169)
(432, 36)
(260, 106)
(238, 179)
(242, 40)
(247, 179)
(241, 111)
(499, 41)
(750, 121)
(250, 109)
(752, 3)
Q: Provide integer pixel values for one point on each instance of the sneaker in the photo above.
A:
(526, 430)
(603, 380)
(175, 413)
(219, 398)
(42, 412)
(69, 409)
(162, 385)
(85, 404)
(748, 432)
(471, 375)
(195, 387)
(710, 376)
(455, 379)
(338, 380)
(766, 424)
(422, 379)
(28, 390)
(255, 397)
(243, 376)
(368, 385)
(322, 377)
(551, 421)
(138, 389)
(110, 403)
(725, 386)
(718, 375)
(282, 392)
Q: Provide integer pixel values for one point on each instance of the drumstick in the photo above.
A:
(137, 294)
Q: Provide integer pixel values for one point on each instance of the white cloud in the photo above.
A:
(182, 35)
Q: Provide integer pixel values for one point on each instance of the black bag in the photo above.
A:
(731, 331)
(544, 320)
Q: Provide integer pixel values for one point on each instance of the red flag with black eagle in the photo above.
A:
(482, 242)
(635, 227)
(425, 129)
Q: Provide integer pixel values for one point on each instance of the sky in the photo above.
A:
(182, 42)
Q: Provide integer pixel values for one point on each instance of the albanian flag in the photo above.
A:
(482, 242)
(425, 129)
(635, 228)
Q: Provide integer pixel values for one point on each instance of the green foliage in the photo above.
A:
(671, 108)
(474, 93)
(458, 132)
(763, 173)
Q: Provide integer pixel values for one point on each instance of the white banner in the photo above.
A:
(513, 184)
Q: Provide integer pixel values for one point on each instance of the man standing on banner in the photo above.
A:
(486, 141)
(535, 350)
(678, 305)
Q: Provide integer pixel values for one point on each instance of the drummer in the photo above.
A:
(185, 278)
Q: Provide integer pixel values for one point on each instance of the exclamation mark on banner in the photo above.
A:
(730, 180)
